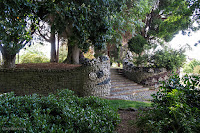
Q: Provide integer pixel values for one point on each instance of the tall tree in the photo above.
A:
(166, 19)
(128, 22)
(16, 27)
(82, 22)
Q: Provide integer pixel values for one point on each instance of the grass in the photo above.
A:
(123, 104)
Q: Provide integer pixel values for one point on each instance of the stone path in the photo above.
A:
(123, 88)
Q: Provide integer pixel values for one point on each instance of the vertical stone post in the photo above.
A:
(97, 81)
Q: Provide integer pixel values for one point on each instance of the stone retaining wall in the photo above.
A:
(90, 79)
(145, 75)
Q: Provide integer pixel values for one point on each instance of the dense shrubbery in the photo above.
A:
(166, 58)
(176, 107)
(62, 112)
(33, 58)
(169, 58)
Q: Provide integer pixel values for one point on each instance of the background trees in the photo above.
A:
(92, 23)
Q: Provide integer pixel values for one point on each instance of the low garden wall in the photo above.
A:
(145, 75)
(92, 78)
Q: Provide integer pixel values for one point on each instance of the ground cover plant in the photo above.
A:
(176, 107)
(60, 112)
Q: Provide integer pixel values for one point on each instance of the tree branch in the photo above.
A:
(46, 39)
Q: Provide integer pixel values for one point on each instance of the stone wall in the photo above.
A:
(145, 75)
(92, 78)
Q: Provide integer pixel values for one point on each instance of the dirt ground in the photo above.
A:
(128, 119)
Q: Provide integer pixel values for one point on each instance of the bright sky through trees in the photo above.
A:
(181, 40)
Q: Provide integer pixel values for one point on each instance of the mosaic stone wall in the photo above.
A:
(90, 79)
(98, 81)
(145, 75)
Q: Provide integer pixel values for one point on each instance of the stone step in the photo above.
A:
(127, 91)
(121, 79)
(122, 85)
(119, 76)
(136, 96)
(116, 88)
(121, 82)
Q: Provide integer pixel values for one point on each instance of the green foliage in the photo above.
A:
(85, 22)
(137, 44)
(16, 25)
(141, 60)
(176, 107)
(33, 58)
(168, 58)
(168, 18)
(189, 68)
(34, 54)
(62, 112)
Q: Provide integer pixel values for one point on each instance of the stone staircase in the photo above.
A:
(123, 88)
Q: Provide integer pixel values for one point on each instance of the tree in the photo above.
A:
(83, 23)
(128, 22)
(16, 27)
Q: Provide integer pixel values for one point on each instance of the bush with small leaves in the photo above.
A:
(176, 107)
(60, 112)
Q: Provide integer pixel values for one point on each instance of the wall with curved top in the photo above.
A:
(90, 79)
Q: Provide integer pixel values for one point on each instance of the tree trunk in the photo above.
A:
(8, 60)
(53, 46)
(73, 55)
(58, 50)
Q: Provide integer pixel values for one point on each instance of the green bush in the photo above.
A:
(168, 58)
(176, 107)
(137, 44)
(33, 58)
(60, 112)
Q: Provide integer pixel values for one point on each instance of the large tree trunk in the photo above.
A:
(53, 46)
(8, 60)
(73, 55)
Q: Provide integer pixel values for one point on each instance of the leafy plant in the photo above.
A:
(176, 107)
(189, 68)
(33, 58)
(62, 112)
(17, 24)
(137, 44)
(168, 58)
(141, 60)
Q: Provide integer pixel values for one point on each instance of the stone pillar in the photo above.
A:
(97, 82)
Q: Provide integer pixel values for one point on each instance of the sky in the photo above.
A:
(180, 40)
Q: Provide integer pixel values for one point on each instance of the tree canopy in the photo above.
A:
(93, 22)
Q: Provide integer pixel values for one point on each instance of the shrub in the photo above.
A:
(176, 107)
(137, 44)
(168, 58)
(33, 58)
(60, 112)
